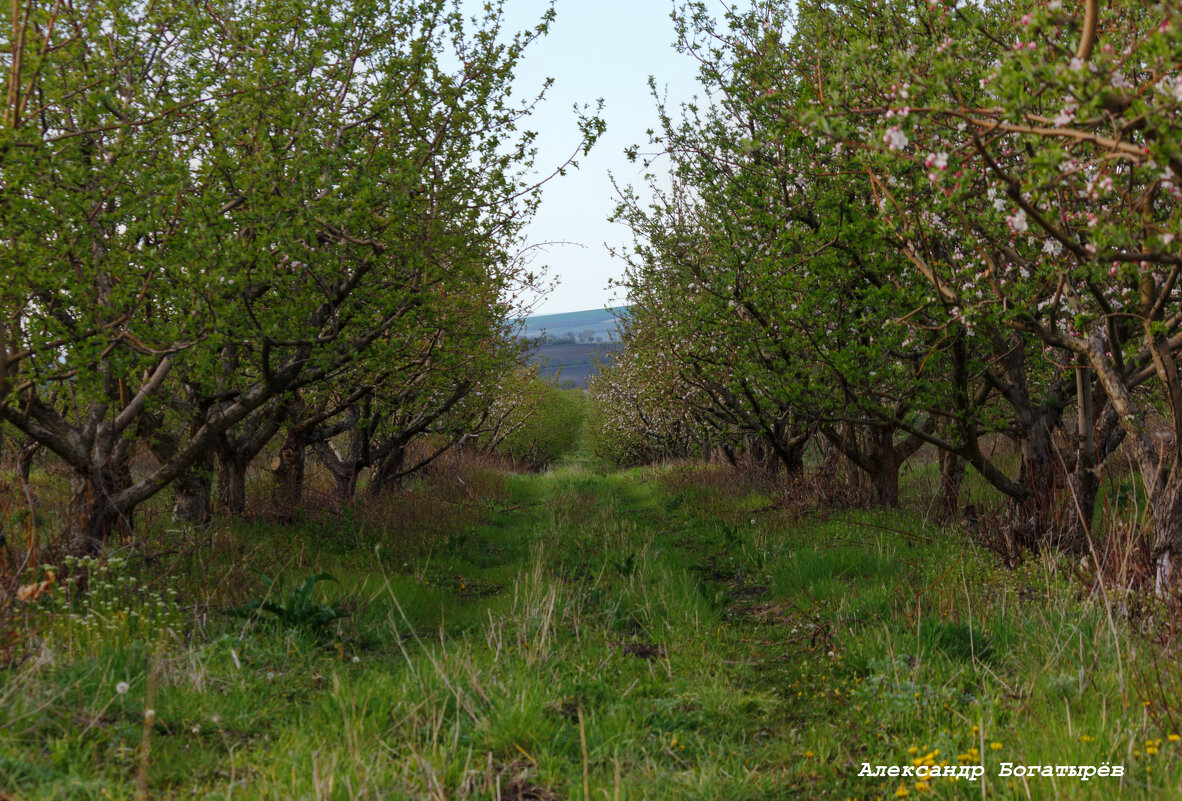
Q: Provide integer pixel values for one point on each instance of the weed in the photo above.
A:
(300, 609)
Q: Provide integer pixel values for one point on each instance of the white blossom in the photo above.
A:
(937, 160)
(1067, 114)
(895, 138)
(1119, 81)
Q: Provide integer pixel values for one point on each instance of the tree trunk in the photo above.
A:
(232, 466)
(1166, 508)
(794, 460)
(91, 517)
(288, 468)
(346, 487)
(1083, 484)
(192, 491)
(346, 467)
(385, 470)
(1040, 519)
(884, 463)
(24, 460)
(876, 460)
(951, 476)
(236, 450)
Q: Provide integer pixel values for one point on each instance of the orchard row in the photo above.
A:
(233, 224)
(914, 222)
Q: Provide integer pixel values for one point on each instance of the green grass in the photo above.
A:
(651, 634)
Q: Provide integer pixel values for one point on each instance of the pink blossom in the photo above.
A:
(895, 138)
(937, 160)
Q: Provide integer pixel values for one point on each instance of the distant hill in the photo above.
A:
(581, 326)
(575, 361)
(571, 342)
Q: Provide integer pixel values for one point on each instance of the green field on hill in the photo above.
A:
(600, 323)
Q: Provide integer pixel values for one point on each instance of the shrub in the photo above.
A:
(551, 431)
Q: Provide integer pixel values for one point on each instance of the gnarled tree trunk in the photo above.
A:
(951, 477)
(92, 515)
(289, 470)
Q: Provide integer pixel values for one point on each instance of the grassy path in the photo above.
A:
(636, 635)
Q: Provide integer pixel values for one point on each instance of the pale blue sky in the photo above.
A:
(596, 48)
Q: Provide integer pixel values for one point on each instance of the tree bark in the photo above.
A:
(1166, 508)
(92, 516)
(289, 469)
(951, 477)
(236, 449)
(385, 471)
(192, 490)
(884, 463)
(346, 468)
(231, 468)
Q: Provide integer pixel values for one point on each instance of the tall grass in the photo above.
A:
(654, 634)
